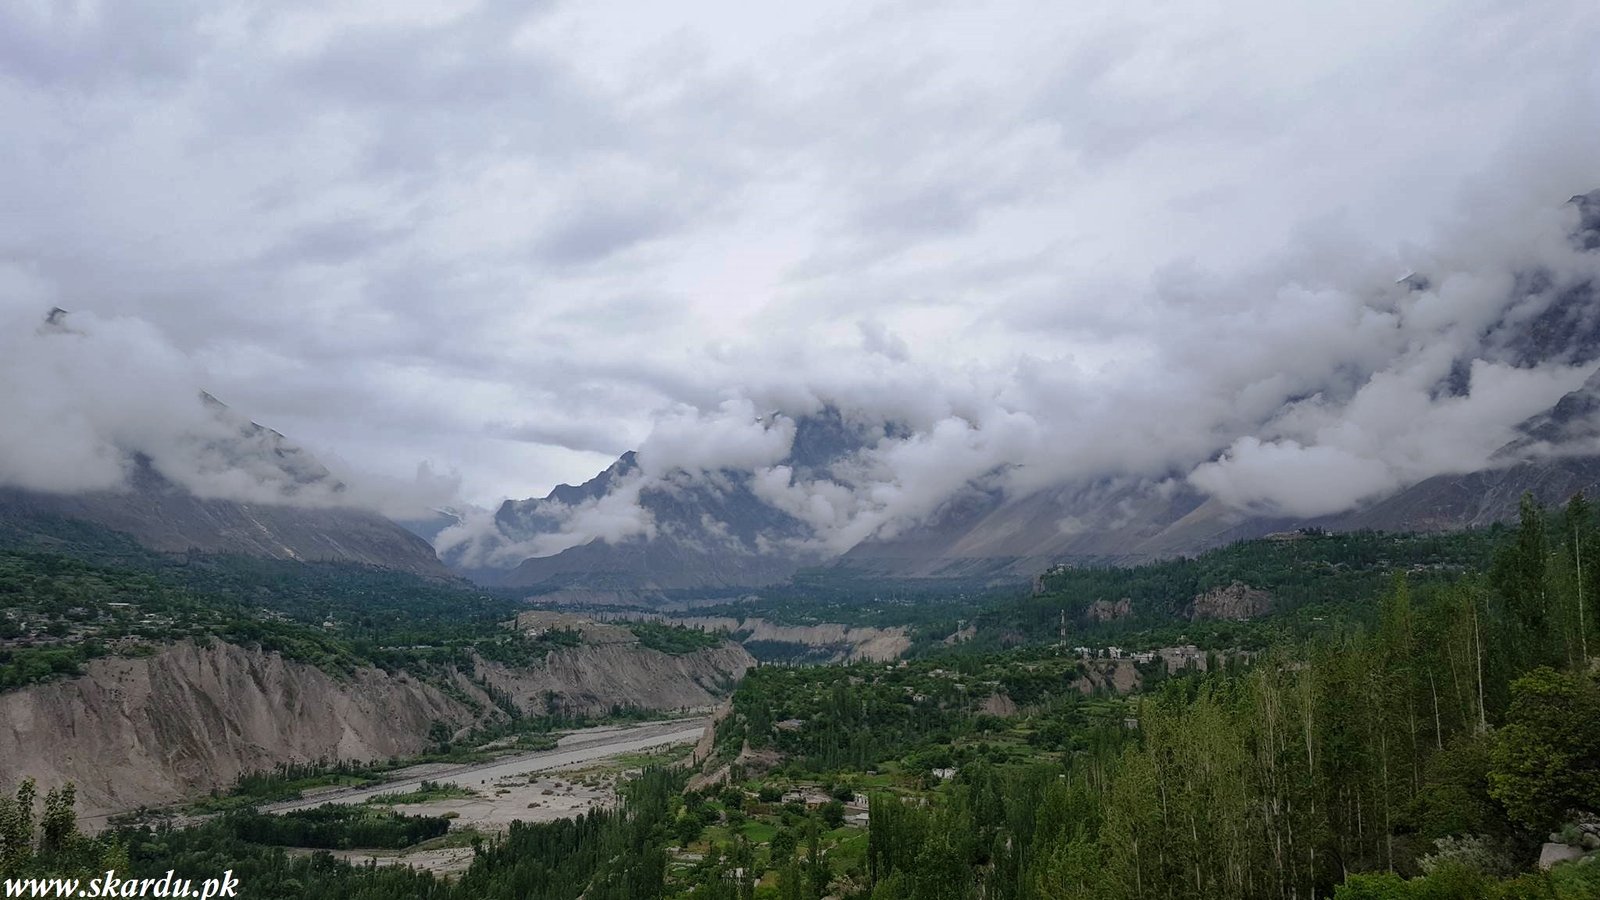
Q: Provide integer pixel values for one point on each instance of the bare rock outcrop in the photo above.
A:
(1236, 602)
(862, 642)
(704, 747)
(590, 680)
(1109, 611)
(1118, 676)
(999, 704)
(157, 729)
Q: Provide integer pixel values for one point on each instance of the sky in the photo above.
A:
(465, 251)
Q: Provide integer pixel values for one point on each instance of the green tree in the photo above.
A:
(1520, 575)
(1547, 756)
(832, 813)
(16, 829)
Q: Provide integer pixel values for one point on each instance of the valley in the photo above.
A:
(1015, 743)
(1097, 690)
(575, 749)
(827, 451)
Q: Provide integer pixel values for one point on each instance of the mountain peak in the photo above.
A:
(1587, 236)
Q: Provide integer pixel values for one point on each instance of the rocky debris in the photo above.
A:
(537, 622)
(1116, 675)
(1554, 853)
(704, 747)
(590, 680)
(1236, 602)
(999, 704)
(1187, 656)
(156, 730)
(1107, 611)
(865, 642)
(749, 761)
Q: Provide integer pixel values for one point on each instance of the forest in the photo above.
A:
(1428, 755)
(65, 602)
(1430, 743)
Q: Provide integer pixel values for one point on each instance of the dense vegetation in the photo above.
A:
(859, 717)
(851, 597)
(1316, 580)
(65, 602)
(1445, 742)
(1310, 575)
(1417, 717)
(674, 639)
(334, 827)
(59, 611)
(1422, 743)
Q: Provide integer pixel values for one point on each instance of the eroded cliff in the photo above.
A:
(153, 730)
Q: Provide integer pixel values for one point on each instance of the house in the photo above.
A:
(944, 774)
(811, 799)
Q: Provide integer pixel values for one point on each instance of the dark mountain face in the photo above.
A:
(715, 529)
(300, 517)
(1587, 237)
(710, 528)
(1555, 455)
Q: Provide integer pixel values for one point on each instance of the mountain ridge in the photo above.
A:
(979, 531)
(300, 513)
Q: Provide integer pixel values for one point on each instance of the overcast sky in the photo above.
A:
(507, 239)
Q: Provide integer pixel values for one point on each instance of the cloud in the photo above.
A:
(1285, 478)
(1046, 244)
(732, 436)
(583, 436)
(87, 399)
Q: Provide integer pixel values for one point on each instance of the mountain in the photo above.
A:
(1111, 523)
(190, 718)
(300, 517)
(715, 529)
(1556, 454)
(710, 528)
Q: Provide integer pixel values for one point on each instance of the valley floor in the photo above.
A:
(585, 746)
(582, 773)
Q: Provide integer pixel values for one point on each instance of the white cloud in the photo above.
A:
(1285, 478)
(1088, 240)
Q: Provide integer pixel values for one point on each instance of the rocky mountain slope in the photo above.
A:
(709, 530)
(591, 680)
(158, 729)
(1132, 523)
(848, 643)
(714, 529)
(299, 517)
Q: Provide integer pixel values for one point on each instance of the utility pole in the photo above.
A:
(1477, 641)
(1583, 639)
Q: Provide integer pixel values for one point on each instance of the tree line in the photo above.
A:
(1426, 756)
